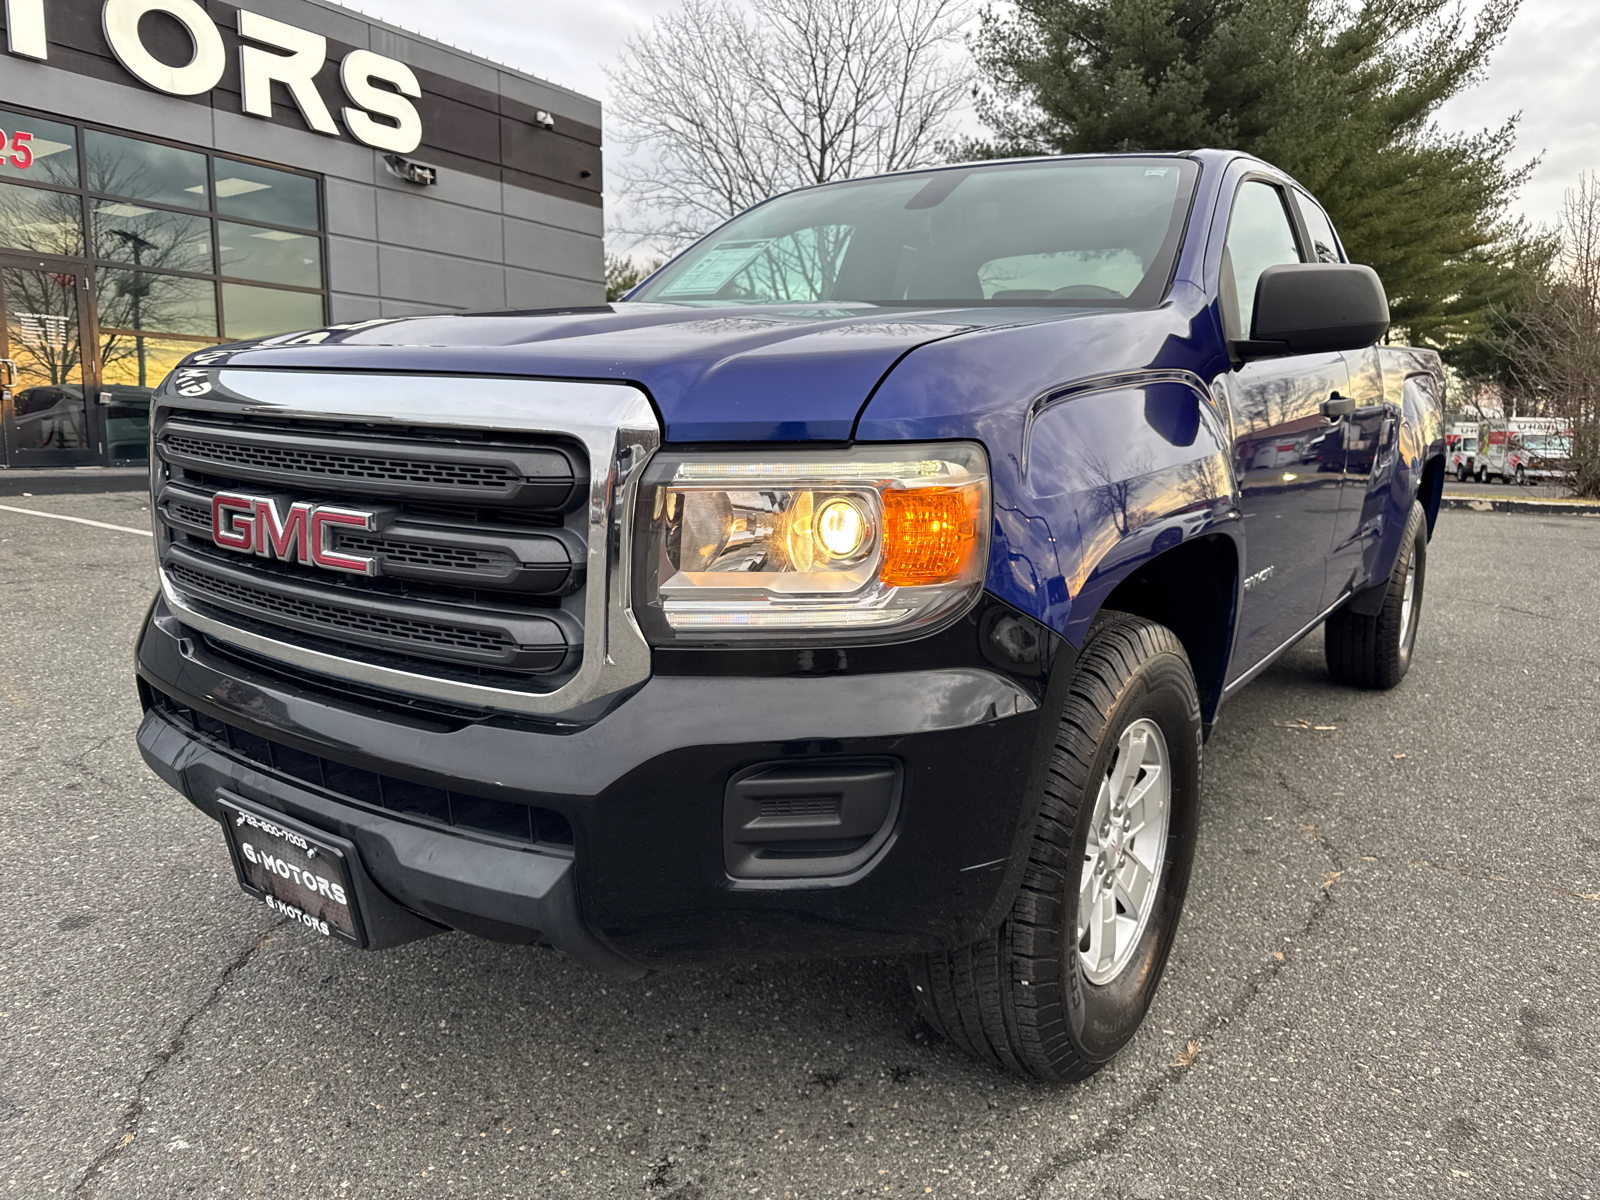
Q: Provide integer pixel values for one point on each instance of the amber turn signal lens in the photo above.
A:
(929, 534)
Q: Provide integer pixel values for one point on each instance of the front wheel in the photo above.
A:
(1522, 477)
(1462, 474)
(1065, 981)
(1375, 651)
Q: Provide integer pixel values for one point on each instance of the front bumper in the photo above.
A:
(644, 883)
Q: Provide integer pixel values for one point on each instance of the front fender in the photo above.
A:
(1094, 472)
(1131, 469)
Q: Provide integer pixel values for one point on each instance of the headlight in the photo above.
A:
(791, 545)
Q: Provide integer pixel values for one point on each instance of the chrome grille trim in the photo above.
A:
(613, 422)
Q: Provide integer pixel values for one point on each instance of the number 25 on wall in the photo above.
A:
(21, 152)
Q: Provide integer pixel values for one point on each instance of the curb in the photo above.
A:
(1562, 508)
(32, 481)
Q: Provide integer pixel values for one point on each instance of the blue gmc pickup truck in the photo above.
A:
(867, 583)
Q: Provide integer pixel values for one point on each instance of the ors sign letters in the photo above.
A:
(379, 112)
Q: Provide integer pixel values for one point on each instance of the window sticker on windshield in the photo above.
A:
(1158, 172)
(711, 273)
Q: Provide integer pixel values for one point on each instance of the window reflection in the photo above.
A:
(42, 221)
(252, 312)
(120, 166)
(262, 194)
(42, 335)
(270, 255)
(48, 153)
(151, 237)
(159, 303)
(131, 368)
(145, 239)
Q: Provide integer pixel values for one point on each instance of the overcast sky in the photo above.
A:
(1547, 69)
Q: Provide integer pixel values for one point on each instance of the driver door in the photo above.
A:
(1287, 454)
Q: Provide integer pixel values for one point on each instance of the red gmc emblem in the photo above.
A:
(301, 531)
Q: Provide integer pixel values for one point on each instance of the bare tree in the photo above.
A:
(1555, 344)
(723, 107)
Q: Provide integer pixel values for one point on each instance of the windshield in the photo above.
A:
(1088, 232)
(1541, 443)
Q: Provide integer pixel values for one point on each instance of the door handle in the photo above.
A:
(1367, 411)
(8, 373)
(1336, 406)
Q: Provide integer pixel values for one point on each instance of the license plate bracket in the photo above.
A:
(297, 871)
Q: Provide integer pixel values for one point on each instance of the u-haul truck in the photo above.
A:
(1461, 450)
(1519, 449)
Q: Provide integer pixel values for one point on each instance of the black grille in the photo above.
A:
(432, 634)
(800, 806)
(191, 513)
(478, 548)
(340, 466)
(418, 554)
(430, 805)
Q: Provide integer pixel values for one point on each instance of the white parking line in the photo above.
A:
(33, 512)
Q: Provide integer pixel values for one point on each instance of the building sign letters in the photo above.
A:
(16, 149)
(379, 89)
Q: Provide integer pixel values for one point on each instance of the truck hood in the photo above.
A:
(747, 373)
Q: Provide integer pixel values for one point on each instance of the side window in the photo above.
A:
(1260, 235)
(1324, 246)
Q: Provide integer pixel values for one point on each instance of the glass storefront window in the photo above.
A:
(262, 194)
(151, 237)
(159, 303)
(131, 367)
(138, 236)
(41, 221)
(120, 166)
(252, 312)
(39, 151)
(43, 337)
(270, 255)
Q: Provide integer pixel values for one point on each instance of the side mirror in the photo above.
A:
(1312, 308)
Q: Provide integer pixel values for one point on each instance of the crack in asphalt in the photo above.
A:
(1123, 1117)
(136, 1106)
(1527, 612)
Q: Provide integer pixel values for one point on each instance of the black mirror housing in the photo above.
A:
(1312, 308)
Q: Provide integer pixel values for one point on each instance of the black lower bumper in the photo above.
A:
(644, 881)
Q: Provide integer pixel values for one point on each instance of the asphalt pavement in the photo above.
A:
(1385, 983)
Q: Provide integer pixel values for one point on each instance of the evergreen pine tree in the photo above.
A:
(1340, 95)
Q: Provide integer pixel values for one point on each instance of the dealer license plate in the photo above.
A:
(296, 871)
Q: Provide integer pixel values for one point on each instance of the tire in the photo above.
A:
(1462, 474)
(1483, 476)
(1375, 652)
(1022, 998)
(1522, 477)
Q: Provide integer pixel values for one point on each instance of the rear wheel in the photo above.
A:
(1375, 651)
(1065, 981)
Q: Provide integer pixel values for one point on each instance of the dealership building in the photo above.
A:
(177, 173)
